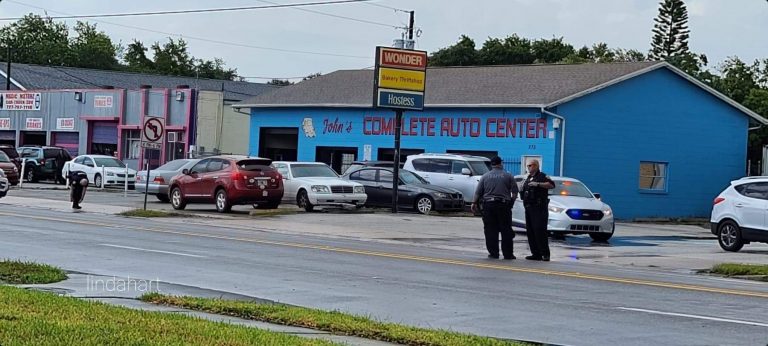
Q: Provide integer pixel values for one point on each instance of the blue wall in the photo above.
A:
(358, 127)
(658, 116)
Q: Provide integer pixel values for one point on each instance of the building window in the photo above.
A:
(653, 176)
(132, 144)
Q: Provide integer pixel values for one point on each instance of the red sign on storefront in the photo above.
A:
(398, 58)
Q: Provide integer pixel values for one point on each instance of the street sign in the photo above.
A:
(152, 145)
(400, 79)
(154, 130)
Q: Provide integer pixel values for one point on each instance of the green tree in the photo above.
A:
(738, 79)
(551, 51)
(36, 40)
(629, 55)
(279, 82)
(172, 58)
(135, 57)
(670, 33)
(512, 50)
(462, 53)
(92, 48)
(214, 69)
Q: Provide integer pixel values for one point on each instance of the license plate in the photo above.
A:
(265, 193)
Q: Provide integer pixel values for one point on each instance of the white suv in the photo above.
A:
(740, 213)
(459, 172)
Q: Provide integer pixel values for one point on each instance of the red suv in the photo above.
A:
(227, 181)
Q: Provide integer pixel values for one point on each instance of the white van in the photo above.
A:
(460, 172)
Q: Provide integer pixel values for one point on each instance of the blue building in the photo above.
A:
(652, 140)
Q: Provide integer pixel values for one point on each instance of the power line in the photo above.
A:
(339, 16)
(207, 10)
(203, 39)
(388, 7)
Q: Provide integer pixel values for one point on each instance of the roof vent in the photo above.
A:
(107, 86)
(183, 86)
(145, 86)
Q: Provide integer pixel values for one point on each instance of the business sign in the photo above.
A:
(13, 101)
(102, 101)
(34, 124)
(400, 78)
(5, 123)
(65, 123)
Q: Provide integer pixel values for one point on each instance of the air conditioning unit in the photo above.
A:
(173, 137)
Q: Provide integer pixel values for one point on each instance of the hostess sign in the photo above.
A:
(401, 77)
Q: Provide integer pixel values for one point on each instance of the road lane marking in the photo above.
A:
(149, 250)
(509, 268)
(699, 317)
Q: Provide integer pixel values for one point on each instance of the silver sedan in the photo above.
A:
(161, 176)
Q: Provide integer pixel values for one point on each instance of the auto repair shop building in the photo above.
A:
(652, 140)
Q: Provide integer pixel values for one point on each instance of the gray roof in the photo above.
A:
(518, 85)
(37, 77)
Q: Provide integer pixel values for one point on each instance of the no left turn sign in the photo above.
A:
(154, 129)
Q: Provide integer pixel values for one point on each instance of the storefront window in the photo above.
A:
(175, 147)
(653, 176)
(132, 144)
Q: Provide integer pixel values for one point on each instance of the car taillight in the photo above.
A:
(42, 162)
(159, 180)
(718, 200)
(236, 175)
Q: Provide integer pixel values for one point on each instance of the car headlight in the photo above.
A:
(441, 195)
(110, 174)
(607, 212)
(359, 189)
(556, 209)
(15, 170)
(320, 189)
(2, 174)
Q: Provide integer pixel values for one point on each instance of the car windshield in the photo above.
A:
(12, 153)
(480, 167)
(312, 170)
(108, 162)
(4, 158)
(570, 188)
(174, 165)
(410, 178)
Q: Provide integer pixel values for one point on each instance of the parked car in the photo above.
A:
(310, 184)
(44, 163)
(102, 169)
(459, 172)
(9, 169)
(739, 213)
(160, 177)
(413, 192)
(4, 185)
(227, 181)
(358, 165)
(573, 209)
(12, 153)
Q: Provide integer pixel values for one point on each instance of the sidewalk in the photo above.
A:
(62, 205)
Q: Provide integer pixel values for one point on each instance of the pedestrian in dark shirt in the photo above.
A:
(497, 191)
(535, 197)
(78, 181)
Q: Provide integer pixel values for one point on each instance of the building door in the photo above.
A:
(339, 158)
(103, 138)
(8, 137)
(33, 138)
(67, 140)
(388, 154)
(279, 143)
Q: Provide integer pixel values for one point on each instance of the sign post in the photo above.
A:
(152, 136)
(400, 79)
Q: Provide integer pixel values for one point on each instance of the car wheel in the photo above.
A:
(222, 202)
(97, 181)
(177, 199)
(302, 200)
(163, 198)
(729, 236)
(30, 174)
(424, 205)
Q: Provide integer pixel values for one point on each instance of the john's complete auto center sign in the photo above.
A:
(401, 78)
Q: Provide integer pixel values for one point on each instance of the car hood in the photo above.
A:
(326, 181)
(572, 202)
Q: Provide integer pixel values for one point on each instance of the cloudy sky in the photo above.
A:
(720, 28)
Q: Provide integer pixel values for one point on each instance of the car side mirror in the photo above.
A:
(466, 171)
(598, 196)
(185, 171)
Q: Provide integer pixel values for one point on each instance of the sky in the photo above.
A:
(719, 28)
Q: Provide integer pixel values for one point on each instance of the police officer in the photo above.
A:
(535, 197)
(497, 191)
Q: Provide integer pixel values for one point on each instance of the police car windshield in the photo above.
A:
(108, 162)
(312, 170)
(570, 188)
(480, 167)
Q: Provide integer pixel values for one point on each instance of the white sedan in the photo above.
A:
(101, 169)
(4, 184)
(573, 209)
(309, 184)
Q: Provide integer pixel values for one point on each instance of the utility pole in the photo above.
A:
(398, 129)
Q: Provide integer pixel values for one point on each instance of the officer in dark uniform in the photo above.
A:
(78, 182)
(535, 197)
(497, 191)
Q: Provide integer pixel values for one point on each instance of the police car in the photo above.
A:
(573, 209)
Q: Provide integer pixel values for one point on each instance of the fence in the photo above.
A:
(512, 165)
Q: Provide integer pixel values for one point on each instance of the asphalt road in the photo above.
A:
(561, 303)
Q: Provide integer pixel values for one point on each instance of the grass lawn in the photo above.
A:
(39, 318)
(733, 269)
(19, 273)
(150, 213)
(333, 321)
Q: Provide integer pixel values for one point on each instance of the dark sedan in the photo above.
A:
(414, 192)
